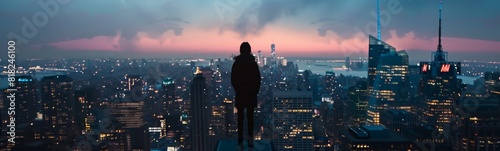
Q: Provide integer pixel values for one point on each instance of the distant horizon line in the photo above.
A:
(289, 58)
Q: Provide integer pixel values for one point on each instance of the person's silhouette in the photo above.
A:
(245, 79)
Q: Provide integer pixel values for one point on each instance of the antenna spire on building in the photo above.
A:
(378, 20)
(440, 55)
(440, 47)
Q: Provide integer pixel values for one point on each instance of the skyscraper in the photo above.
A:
(26, 99)
(347, 62)
(231, 128)
(414, 78)
(439, 87)
(376, 48)
(292, 118)
(358, 104)
(338, 118)
(58, 100)
(478, 129)
(199, 114)
(129, 116)
(260, 60)
(390, 88)
(330, 84)
(274, 60)
(171, 110)
(86, 101)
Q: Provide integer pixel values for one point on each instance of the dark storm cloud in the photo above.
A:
(325, 15)
(261, 13)
(90, 18)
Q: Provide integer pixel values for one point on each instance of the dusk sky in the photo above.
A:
(312, 28)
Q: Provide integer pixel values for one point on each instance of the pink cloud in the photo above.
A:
(289, 42)
(111, 43)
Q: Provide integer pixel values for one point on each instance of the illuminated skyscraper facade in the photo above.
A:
(58, 100)
(26, 99)
(479, 127)
(390, 88)
(376, 48)
(439, 88)
(330, 84)
(357, 104)
(292, 120)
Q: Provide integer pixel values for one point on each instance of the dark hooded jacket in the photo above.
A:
(245, 79)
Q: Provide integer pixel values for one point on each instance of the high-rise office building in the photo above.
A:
(26, 99)
(292, 120)
(26, 107)
(439, 87)
(331, 84)
(414, 75)
(260, 59)
(338, 118)
(357, 104)
(479, 127)
(274, 59)
(390, 88)
(231, 127)
(376, 48)
(86, 102)
(171, 111)
(347, 62)
(168, 87)
(58, 100)
(129, 116)
(199, 114)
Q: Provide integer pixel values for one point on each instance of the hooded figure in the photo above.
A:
(245, 79)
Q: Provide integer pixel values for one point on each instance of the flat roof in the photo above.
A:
(377, 134)
(232, 144)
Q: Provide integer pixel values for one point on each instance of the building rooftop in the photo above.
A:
(375, 134)
(232, 144)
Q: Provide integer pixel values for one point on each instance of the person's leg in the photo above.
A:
(250, 125)
(241, 113)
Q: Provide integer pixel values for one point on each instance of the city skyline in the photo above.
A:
(167, 75)
(215, 28)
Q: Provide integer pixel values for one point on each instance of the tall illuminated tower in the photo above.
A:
(390, 88)
(379, 36)
(58, 100)
(292, 118)
(439, 87)
(376, 48)
(274, 60)
(199, 113)
(26, 99)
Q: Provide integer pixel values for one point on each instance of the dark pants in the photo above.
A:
(241, 112)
